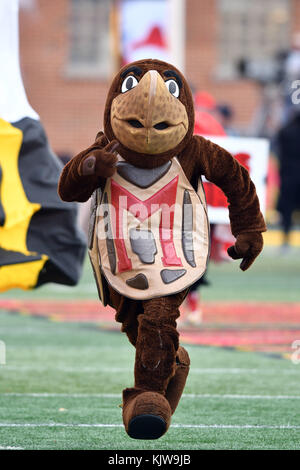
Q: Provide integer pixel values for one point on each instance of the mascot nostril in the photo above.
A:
(135, 123)
(161, 125)
(149, 232)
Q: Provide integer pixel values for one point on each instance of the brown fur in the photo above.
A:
(177, 382)
(151, 325)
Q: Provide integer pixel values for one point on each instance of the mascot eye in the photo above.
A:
(129, 83)
(173, 87)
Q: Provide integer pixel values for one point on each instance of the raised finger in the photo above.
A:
(112, 146)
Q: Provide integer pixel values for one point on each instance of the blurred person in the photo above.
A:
(224, 114)
(205, 122)
(288, 151)
(292, 61)
(291, 73)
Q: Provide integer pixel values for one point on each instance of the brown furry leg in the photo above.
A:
(157, 343)
(151, 327)
(177, 382)
(146, 410)
(147, 414)
(127, 311)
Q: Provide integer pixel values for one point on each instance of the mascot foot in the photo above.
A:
(146, 415)
(177, 383)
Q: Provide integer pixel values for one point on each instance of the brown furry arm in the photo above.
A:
(246, 219)
(219, 167)
(87, 170)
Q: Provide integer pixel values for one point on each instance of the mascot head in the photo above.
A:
(149, 110)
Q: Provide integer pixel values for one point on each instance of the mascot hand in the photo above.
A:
(247, 246)
(100, 162)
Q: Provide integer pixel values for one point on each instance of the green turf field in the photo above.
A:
(61, 385)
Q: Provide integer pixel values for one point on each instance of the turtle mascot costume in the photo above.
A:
(149, 233)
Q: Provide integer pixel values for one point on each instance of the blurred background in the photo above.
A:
(230, 48)
(245, 55)
(242, 330)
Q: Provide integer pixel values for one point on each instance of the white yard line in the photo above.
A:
(237, 426)
(242, 397)
(117, 370)
(10, 448)
(196, 426)
(235, 370)
(62, 395)
(185, 395)
(71, 369)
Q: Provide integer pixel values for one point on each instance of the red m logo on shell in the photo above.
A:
(164, 199)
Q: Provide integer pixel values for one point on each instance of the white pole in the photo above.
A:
(177, 33)
(13, 101)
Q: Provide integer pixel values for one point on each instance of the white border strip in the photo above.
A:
(194, 426)
(11, 448)
(118, 370)
(242, 397)
(185, 395)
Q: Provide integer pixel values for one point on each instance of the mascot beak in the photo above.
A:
(148, 118)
